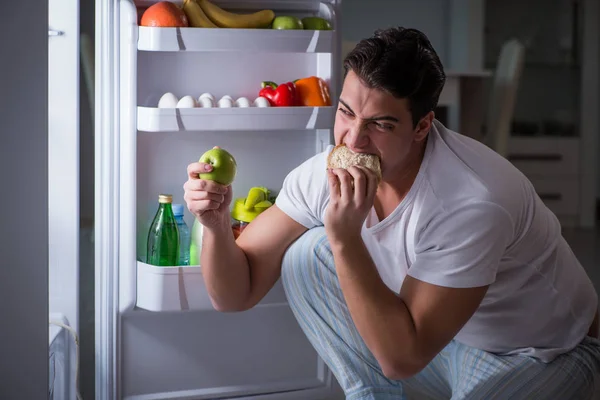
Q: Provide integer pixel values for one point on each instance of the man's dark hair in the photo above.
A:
(403, 63)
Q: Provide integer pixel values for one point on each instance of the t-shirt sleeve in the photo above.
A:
(462, 248)
(304, 195)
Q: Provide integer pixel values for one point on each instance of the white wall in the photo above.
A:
(24, 200)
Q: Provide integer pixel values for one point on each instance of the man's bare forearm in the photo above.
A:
(225, 269)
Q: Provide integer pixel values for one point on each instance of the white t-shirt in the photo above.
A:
(471, 219)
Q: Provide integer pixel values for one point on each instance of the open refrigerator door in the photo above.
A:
(157, 334)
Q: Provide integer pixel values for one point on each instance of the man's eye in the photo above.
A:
(344, 111)
(384, 127)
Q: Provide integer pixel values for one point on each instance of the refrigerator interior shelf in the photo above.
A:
(152, 119)
(238, 40)
(171, 288)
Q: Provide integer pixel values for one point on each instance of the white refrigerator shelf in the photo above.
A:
(171, 288)
(238, 40)
(151, 119)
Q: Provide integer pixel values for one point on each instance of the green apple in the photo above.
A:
(316, 23)
(287, 22)
(223, 163)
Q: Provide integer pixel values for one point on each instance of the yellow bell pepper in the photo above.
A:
(312, 92)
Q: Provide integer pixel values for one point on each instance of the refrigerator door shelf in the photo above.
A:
(182, 289)
(150, 119)
(171, 288)
(237, 40)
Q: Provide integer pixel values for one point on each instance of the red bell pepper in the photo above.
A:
(283, 95)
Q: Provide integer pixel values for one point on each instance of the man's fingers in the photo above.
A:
(194, 169)
(201, 206)
(345, 179)
(205, 185)
(372, 181)
(196, 196)
(334, 185)
(360, 181)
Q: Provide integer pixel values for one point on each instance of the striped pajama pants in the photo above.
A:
(457, 372)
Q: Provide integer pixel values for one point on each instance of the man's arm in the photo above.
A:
(403, 332)
(238, 274)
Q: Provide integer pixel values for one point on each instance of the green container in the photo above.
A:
(246, 209)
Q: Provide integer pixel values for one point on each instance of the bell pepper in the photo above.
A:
(283, 95)
(312, 92)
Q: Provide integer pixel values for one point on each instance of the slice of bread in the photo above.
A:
(342, 157)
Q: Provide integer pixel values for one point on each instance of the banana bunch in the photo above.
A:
(204, 14)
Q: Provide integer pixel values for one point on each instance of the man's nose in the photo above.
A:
(357, 136)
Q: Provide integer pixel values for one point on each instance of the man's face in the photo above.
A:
(374, 121)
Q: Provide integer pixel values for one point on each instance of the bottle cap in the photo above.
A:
(177, 209)
(165, 198)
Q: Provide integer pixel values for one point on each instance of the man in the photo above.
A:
(449, 278)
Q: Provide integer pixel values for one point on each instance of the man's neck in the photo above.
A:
(391, 193)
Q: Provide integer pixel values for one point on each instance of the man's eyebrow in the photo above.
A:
(347, 106)
(382, 118)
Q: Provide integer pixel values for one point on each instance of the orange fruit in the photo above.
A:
(164, 14)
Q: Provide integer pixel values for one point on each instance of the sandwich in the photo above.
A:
(342, 157)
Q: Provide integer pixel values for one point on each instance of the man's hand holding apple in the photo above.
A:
(208, 191)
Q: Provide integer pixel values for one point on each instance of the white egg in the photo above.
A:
(206, 102)
(225, 102)
(210, 96)
(168, 100)
(242, 102)
(187, 102)
(228, 97)
(261, 102)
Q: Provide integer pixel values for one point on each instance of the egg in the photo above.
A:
(242, 102)
(228, 97)
(261, 102)
(225, 102)
(206, 102)
(168, 100)
(187, 102)
(210, 96)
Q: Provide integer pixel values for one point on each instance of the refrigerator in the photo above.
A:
(157, 334)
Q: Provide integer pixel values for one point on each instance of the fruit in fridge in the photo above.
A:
(226, 19)
(164, 14)
(316, 23)
(287, 22)
(312, 92)
(283, 95)
(196, 16)
(223, 163)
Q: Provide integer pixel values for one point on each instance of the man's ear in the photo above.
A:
(424, 126)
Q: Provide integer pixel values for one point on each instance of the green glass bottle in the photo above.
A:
(163, 237)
